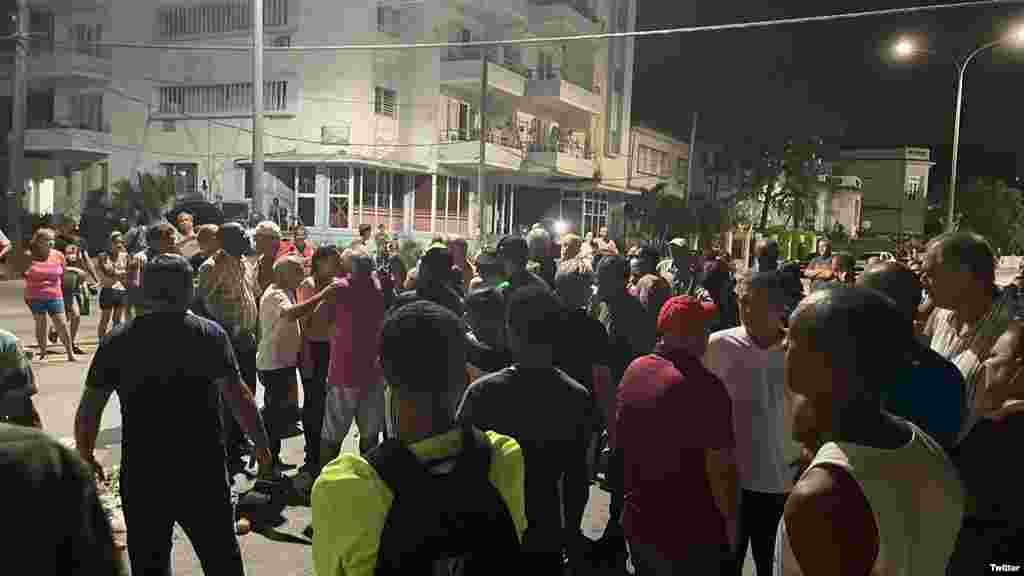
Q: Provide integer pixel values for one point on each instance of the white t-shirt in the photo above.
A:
(280, 339)
(761, 413)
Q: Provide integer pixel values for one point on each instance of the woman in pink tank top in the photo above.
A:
(44, 291)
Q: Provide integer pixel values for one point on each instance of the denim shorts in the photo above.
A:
(55, 306)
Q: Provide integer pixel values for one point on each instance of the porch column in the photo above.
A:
(409, 204)
(433, 203)
(352, 195)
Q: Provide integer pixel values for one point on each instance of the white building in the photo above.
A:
(383, 136)
(68, 132)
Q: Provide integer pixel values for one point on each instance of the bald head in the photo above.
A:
(896, 281)
(859, 332)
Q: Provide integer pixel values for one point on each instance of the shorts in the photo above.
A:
(112, 298)
(72, 297)
(341, 409)
(55, 306)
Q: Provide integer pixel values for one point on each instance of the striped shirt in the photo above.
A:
(968, 347)
(228, 287)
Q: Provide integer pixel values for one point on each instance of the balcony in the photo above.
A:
(82, 65)
(567, 157)
(76, 142)
(551, 17)
(548, 89)
(460, 68)
(461, 148)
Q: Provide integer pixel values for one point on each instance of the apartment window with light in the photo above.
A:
(384, 102)
(185, 178)
(913, 187)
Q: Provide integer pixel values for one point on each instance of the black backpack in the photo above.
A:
(453, 523)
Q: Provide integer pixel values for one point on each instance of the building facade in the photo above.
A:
(894, 192)
(657, 158)
(68, 139)
(386, 137)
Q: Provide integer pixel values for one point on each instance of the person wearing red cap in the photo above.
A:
(675, 437)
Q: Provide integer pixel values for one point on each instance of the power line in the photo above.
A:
(558, 39)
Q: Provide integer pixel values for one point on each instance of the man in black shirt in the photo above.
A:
(485, 314)
(551, 416)
(514, 254)
(171, 407)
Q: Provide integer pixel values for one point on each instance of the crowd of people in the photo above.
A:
(863, 425)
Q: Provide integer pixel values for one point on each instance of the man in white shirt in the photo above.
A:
(750, 360)
(277, 357)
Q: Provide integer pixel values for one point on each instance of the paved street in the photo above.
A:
(275, 553)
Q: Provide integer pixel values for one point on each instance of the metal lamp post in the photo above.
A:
(906, 48)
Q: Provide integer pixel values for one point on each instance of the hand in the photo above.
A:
(266, 463)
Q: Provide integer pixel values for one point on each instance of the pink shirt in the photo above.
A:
(355, 341)
(44, 281)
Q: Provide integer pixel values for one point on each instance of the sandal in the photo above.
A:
(43, 354)
(77, 350)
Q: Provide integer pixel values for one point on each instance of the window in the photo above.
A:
(615, 124)
(651, 161)
(388, 20)
(87, 112)
(282, 41)
(234, 98)
(185, 178)
(305, 196)
(384, 102)
(682, 168)
(174, 22)
(913, 187)
(595, 212)
(452, 206)
(504, 209)
(338, 196)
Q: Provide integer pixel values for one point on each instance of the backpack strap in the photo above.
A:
(398, 467)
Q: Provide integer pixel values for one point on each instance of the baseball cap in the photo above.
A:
(234, 240)
(684, 316)
(513, 248)
(678, 243)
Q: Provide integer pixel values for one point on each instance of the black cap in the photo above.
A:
(235, 240)
(513, 248)
(168, 281)
(438, 258)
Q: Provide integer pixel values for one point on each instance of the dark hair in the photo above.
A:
(612, 264)
(573, 282)
(716, 278)
(967, 251)
(897, 282)
(486, 306)
(364, 228)
(650, 256)
(422, 346)
(860, 330)
(535, 314)
(322, 253)
(156, 231)
(768, 283)
(168, 281)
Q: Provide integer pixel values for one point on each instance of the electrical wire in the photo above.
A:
(557, 39)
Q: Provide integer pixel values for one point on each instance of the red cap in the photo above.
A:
(684, 316)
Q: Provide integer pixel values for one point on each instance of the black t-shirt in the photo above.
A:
(584, 344)
(165, 370)
(990, 467)
(196, 261)
(56, 523)
(484, 357)
(441, 295)
(551, 416)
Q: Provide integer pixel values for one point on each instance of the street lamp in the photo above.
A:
(905, 49)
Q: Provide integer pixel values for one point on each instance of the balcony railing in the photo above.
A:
(569, 147)
(505, 58)
(499, 136)
(68, 124)
(582, 6)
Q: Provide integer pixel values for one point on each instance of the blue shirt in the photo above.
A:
(929, 394)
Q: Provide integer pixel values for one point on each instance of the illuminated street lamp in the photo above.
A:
(905, 49)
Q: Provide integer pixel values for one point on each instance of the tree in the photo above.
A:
(149, 195)
(993, 209)
(785, 180)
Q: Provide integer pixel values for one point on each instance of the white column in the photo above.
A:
(352, 196)
(433, 203)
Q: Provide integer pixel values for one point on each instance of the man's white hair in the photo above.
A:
(268, 228)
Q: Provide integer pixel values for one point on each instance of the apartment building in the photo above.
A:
(68, 138)
(385, 136)
(657, 158)
(894, 187)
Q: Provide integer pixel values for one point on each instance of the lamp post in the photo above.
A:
(906, 49)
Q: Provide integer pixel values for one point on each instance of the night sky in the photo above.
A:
(837, 80)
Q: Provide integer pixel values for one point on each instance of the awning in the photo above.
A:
(292, 158)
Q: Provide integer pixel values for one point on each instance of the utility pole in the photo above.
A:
(257, 105)
(689, 167)
(481, 169)
(16, 141)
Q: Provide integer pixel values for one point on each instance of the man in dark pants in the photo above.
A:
(171, 403)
